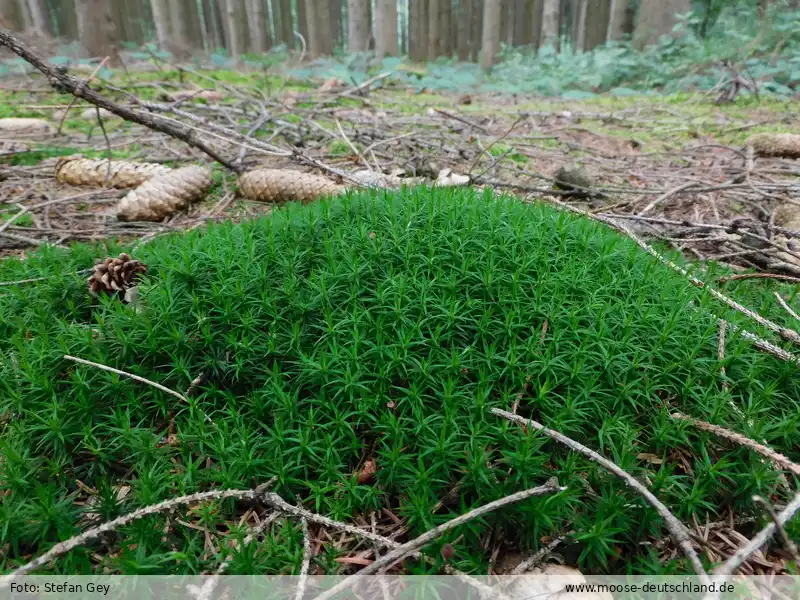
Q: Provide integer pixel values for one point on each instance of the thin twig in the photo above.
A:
(74, 99)
(665, 196)
(777, 458)
(788, 544)
(678, 531)
(301, 584)
(64, 82)
(536, 558)
(741, 276)
(726, 569)
(135, 378)
(91, 534)
(204, 592)
(402, 551)
(786, 307)
(129, 375)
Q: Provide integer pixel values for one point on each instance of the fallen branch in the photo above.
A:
(678, 531)
(412, 546)
(726, 569)
(765, 451)
(91, 534)
(63, 82)
(154, 384)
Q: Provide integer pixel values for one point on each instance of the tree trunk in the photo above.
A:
(551, 22)
(434, 13)
(319, 28)
(337, 35)
(476, 30)
(445, 25)
(275, 9)
(657, 18)
(68, 21)
(579, 29)
(178, 42)
(417, 38)
(464, 20)
(234, 34)
(287, 23)
(159, 10)
(302, 22)
(386, 28)
(98, 34)
(358, 25)
(616, 22)
(598, 13)
(39, 17)
(214, 28)
(490, 45)
(521, 22)
(194, 27)
(536, 23)
(257, 26)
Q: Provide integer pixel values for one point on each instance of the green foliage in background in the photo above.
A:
(377, 325)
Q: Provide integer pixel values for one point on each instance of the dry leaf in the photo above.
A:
(653, 459)
(367, 471)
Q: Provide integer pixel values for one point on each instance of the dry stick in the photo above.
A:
(301, 584)
(538, 557)
(790, 546)
(204, 592)
(92, 534)
(678, 531)
(786, 307)
(275, 501)
(723, 327)
(75, 98)
(726, 569)
(765, 451)
(404, 550)
(64, 82)
(665, 196)
(352, 147)
(759, 276)
(787, 334)
(27, 209)
(134, 377)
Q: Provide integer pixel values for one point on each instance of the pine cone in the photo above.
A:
(277, 185)
(165, 195)
(115, 275)
(76, 170)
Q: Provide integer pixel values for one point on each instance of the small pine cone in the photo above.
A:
(165, 195)
(122, 174)
(278, 185)
(115, 275)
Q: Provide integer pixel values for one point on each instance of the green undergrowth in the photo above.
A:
(383, 326)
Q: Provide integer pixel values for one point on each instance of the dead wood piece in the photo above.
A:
(782, 145)
(163, 196)
(21, 126)
(278, 185)
(63, 82)
(76, 170)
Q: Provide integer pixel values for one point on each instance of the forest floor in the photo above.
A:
(675, 170)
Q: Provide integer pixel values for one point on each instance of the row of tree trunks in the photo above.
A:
(424, 29)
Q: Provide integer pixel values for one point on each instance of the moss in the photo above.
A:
(377, 326)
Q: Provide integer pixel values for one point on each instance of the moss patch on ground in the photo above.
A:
(380, 326)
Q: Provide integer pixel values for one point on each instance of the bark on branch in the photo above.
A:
(65, 83)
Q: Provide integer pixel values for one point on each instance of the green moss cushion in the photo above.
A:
(378, 326)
